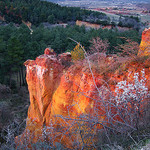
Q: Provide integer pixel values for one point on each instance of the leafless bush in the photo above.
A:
(98, 46)
(130, 48)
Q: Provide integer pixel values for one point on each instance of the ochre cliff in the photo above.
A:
(43, 77)
(62, 91)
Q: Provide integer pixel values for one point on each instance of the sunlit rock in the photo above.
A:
(145, 43)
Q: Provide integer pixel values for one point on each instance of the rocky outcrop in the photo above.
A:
(43, 78)
(62, 91)
(145, 43)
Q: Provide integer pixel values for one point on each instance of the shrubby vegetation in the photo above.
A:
(130, 22)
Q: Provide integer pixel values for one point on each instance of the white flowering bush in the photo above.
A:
(135, 91)
(131, 98)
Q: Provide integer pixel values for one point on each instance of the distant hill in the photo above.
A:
(38, 11)
(98, 3)
(143, 5)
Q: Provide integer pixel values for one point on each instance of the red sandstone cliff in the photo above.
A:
(60, 92)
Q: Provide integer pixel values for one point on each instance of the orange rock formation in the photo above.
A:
(60, 91)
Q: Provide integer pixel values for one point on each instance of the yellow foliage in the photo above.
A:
(77, 53)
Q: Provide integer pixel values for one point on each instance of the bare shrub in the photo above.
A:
(130, 48)
(98, 46)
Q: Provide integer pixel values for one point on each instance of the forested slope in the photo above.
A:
(18, 44)
(37, 11)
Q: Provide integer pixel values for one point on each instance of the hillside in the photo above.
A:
(36, 12)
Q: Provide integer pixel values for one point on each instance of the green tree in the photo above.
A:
(14, 57)
(51, 19)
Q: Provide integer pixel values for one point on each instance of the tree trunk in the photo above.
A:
(22, 73)
(20, 77)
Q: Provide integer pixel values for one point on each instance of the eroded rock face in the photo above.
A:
(43, 77)
(145, 43)
(60, 91)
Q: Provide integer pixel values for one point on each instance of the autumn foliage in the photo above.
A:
(98, 45)
(77, 53)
